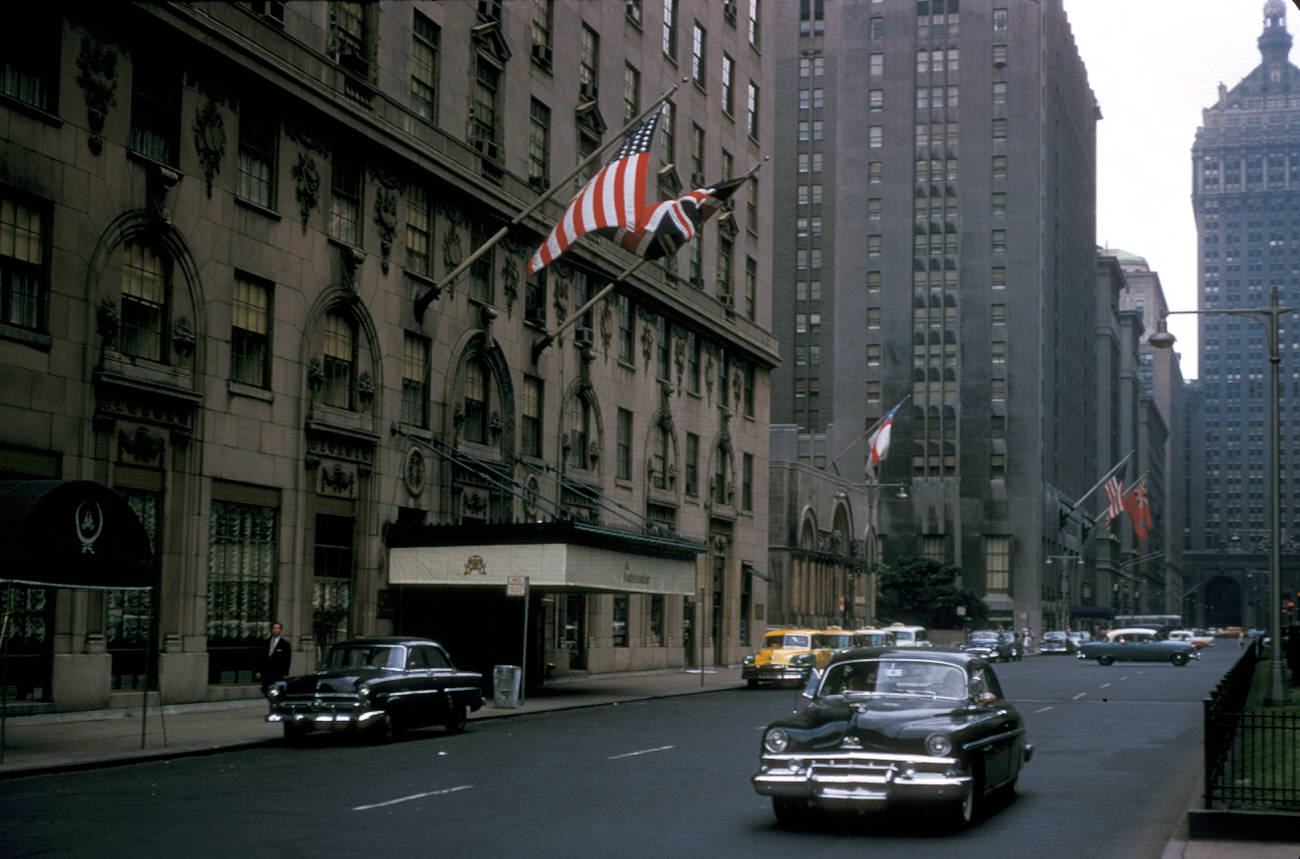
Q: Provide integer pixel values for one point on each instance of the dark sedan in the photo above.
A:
(880, 726)
(993, 645)
(379, 685)
(1056, 642)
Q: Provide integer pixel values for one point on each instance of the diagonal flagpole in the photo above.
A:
(869, 430)
(1071, 506)
(422, 303)
(540, 345)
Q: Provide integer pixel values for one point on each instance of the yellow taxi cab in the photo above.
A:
(837, 639)
(786, 656)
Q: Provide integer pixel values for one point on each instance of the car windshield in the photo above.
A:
(363, 655)
(983, 636)
(835, 639)
(872, 677)
(789, 640)
(1053, 636)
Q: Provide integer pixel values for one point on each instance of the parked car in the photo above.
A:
(1195, 638)
(910, 636)
(835, 639)
(882, 725)
(787, 656)
(991, 644)
(1056, 641)
(1139, 644)
(378, 685)
(870, 637)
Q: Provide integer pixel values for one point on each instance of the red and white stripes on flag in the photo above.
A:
(1114, 498)
(611, 200)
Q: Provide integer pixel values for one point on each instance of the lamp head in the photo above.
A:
(1161, 338)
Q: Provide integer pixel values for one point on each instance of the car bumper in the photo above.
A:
(325, 717)
(861, 779)
(775, 673)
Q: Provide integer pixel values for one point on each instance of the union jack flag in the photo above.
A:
(611, 200)
(662, 228)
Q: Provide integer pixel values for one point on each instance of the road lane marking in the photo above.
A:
(413, 796)
(642, 752)
(1043, 709)
(1105, 685)
(1080, 695)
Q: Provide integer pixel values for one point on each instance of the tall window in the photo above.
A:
(619, 630)
(475, 401)
(691, 472)
(754, 31)
(340, 361)
(250, 332)
(535, 298)
(659, 457)
(480, 271)
(747, 482)
(589, 64)
(543, 20)
(419, 230)
(699, 60)
(726, 253)
(483, 119)
(539, 144)
(144, 302)
(530, 423)
(997, 563)
(718, 489)
(415, 380)
(241, 586)
(23, 280)
(670, 30)
(751, 287)
(631, 92)
(345, 200)
(350, 20)
(751, 110)
(424, 68)
(155, 110)
(331, 597)
(728, 85)
(29, 47)
(256, 155)
(693, 348)
(663, 347)
(623, 446)
(626, 330)
(579, 433)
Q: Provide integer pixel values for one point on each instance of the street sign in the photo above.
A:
(516, 586)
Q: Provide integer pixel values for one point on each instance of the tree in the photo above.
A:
(924, 592)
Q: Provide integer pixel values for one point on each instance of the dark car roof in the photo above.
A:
(952, 657)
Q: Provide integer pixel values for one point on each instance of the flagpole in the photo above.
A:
(548, 339)
(422, 303)
(1073, 505)
(869, 430)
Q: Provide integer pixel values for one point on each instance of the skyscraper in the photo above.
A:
(934, 240)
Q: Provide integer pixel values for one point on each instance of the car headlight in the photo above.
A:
(363, 691)
(749, 660)
(275, 691)
(938, 745)
(776, 741)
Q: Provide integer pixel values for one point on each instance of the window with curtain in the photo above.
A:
(241, 587)
(250, 332)
(339, 363)
(530, 423)
(419, 230)
(424, 67)
(24, 284)
(415, 370)
(256, 168)
(476, 402)
(144, 302)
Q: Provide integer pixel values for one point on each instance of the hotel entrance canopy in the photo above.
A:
(556, 555)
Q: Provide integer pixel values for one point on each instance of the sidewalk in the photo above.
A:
(60, 742)
(63, 742)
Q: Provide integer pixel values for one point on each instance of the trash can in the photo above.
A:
(505, 686)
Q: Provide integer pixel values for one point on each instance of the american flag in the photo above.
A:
(610, 201)
(664, 227)
(1114, 498)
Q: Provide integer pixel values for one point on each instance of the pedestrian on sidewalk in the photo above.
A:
(276, 656)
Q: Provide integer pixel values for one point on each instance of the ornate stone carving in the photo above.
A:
(337, 480)
(679, 357)
(365, 388)
(606, 325)
(159, 181)
(305, 138)
(108, 321)
(510, 279)
(561, 275)
(351, 259)
(708, 371)
(495, 425)
(413, 473)
(452, 251)
(385, 223)
(97, 77)
(306, 186)
(315, 375)
(209, 141)
(142, 446)
(593, 452)
(183, 337)
(737, 388)
(647, 337)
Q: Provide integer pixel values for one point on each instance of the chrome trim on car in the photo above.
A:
(858, 776)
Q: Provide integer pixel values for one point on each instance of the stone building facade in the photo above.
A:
(224, 231)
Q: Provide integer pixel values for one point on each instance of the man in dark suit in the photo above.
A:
(275, 658)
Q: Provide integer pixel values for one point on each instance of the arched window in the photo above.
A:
(339, 384)
(580, 433)
(476, 401)
(145, 287)
(659, 454)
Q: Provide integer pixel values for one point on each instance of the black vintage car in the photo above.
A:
(993, 645)
(881, 726)
(378, 685)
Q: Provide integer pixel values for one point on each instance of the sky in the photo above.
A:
(1153, 66)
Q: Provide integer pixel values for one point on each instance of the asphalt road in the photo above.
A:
(1117, 755)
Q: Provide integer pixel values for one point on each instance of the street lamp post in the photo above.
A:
(1267, 317)
(1065, 560)
(872, 522)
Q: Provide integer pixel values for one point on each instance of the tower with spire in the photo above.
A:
(1246, 200)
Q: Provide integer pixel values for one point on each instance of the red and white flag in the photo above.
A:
(612, 200)
(1135, 502)
(879, 440)
(1114, 498)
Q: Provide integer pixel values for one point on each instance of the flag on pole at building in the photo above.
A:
(612, 199)
(1114, 498)
(662, 228)
(1135, 502)
(879, 440)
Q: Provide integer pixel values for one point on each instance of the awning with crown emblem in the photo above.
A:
(72, 534)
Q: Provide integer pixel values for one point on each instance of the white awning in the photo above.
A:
(547, 565)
